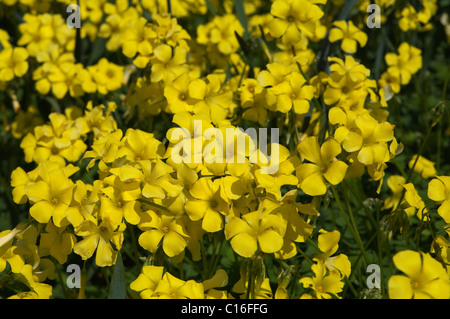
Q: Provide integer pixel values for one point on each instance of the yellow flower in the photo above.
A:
(395, 184)
(147, 281)
(325, 284)
(375, 136)
(51, 197)
(294, 92)
(84, 202)
(347, 133)
(212, 95)
(208, 204)
(68, 78)
(424, 166)
(348, 85)
(40, 32)
(297, 229)
(328, 244)
(50, 61)
(408, 18)
(119, 16)
(157, 180)
(38, 290)
(406, 63)
(139, 145)
(153, 283)
(9, 253)
(25, 122)
(323, 167)
(106, 76)
(296, 19)
(99, 237)
(415, 201)
(57, 141)
(56, 242)
(439, 191)
(120, 201)
(4, 39)
(137, 42)
(221, 33)
(20, 181)
(280, 171)
(390, 82)
(168, 64)
(171, 287)
(262, 291)
(255, 231)
(425, 277)
(349, 34)
(166, 228)
(177, 95)
(13, 63)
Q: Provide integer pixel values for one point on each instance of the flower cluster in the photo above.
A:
(133, 146)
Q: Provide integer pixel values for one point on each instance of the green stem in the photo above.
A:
(251, 280)
(422, 147)
(439, 137)
(216, 261)
(380, 257)
(204, 261)
(62, 283)
(350, 285)
(355, 264)
(304, 256)
(350, 226)
(153, 204)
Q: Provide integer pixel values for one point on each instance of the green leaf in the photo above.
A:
(240, 12)
(211, 8)
(118, 287)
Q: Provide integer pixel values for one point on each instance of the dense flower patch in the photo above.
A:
(225, 149)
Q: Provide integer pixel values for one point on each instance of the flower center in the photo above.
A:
(119, 204)
(345, 90)
(55, 200)
(165, 229)
(213, 203)
(415, 284)
(319, 288)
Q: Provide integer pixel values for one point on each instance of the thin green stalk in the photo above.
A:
(350, 211)
(349, 224)
(356, 262)
(440, 129)
(422, 147)
(204, 261)
(294, 279)
(153, 204)
(380, 257)
(214, 253)
(135, 247)
(62, 283)
(304, 256)
(250, 293)
(180, 266)
(350, 285)
(216, 261)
